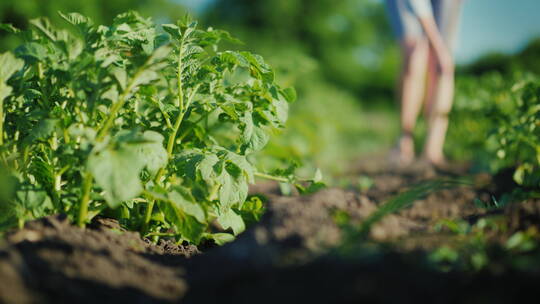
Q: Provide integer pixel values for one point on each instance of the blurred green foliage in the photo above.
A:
(489, 93)
(525, 60)
(495, 123)
(19, 12)
(333, 52)
(328, 127)
(343, 61)
(350, 39)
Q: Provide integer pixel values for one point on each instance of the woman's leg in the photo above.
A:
(440, 83)
(438, 105)
(412, 89)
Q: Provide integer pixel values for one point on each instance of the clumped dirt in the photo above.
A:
(53, 261)
(294, 255)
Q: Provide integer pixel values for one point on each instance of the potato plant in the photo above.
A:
(151, 124)
(518, 134)
(497, 121)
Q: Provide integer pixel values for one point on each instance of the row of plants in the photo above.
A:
(495, 122)
(153, 125)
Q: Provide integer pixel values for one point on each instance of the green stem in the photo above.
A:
(172, 137)
(165, 114)
(148, 215)
(85, 200)
(1, 121)
(118, 105)
(192, 126)
(180, 92)
(110, 119)
(159, 234)
(271, 177)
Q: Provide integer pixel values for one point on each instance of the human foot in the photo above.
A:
(403, 153)
(438, 161)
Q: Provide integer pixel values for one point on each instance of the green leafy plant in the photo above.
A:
(496, 122)
(518, 134)
(153, 125)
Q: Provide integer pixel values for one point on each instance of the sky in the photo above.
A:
(496, 25)
(486, 25)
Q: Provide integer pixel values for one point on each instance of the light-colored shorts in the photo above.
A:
(407, 26)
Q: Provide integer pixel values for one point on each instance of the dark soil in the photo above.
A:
(297, 253)
(53, 261)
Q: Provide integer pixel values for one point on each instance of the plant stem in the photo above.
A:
(271, 177)
(191, 127)
(159, 234)
(85, 200)
(118, 105)
(148, 215)
(180, 90)
(172, 136)
(112, 115)
(1, 121)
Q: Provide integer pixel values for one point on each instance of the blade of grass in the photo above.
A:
(406, 200)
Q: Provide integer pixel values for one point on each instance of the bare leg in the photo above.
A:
(412, 85)
(440, 92)
(431, 88)
(438, 107)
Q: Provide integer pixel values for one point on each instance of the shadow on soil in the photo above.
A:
(295, 254)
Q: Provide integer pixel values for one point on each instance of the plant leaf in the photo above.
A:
(229, 219)
(116, 171)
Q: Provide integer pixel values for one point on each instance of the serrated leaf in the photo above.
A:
(111, 94)
(41, 131)
(247, 131)
(75, 18)
(289, 94)
(37, 201)
(226, 189)
(116, 171)
(230, 110)
(32, 50)
(172, 30)
(242, 162)
(121, 77)
(44, 25)
(282, 110)
(233, 191)
(9, 28)
(160, 53)
(192, 49)
(187, 205)
(222, 238)
(9, 65)
(186, 225)
(206, 167)
(229, 219)
(152, 152)
(145, 77)
(43, 172)
(5, 91)
(259, 139)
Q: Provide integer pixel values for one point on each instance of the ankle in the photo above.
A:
(436, 159)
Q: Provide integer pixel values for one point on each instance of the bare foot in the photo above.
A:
(403, 153)
(438, 162)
